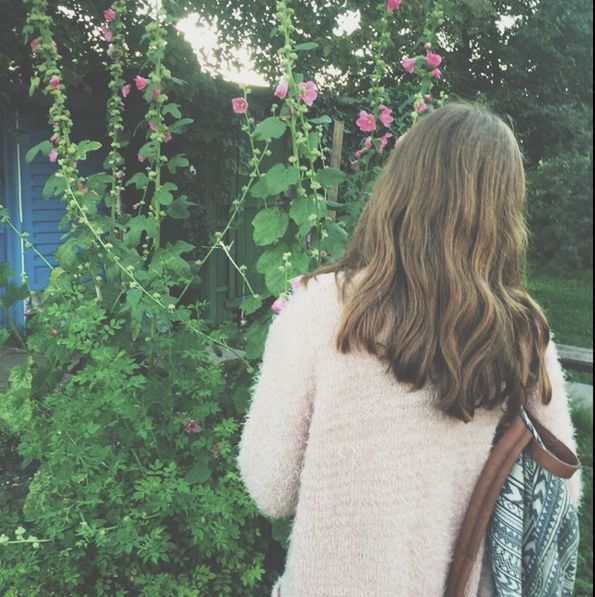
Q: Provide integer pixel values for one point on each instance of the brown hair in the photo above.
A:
(441, 244)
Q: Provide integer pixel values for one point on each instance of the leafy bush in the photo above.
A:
(560, 210)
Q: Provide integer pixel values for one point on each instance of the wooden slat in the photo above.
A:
(575, 357)
(336, 155)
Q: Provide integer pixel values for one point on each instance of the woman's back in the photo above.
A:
(378, 462)
(378, 477)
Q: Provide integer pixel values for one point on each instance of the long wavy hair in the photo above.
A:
(441, 248)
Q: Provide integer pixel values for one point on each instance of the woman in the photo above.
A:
(385, 375)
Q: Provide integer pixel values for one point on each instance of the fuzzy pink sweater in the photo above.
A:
(377, 478)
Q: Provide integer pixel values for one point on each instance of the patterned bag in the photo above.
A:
(521, 508)
(533, 536)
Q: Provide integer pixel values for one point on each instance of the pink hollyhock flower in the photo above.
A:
(428, 97)
(136, 206)
(427, 46)
(54, 81)
(366, 122)
(151, 125)
(384, 141)
(155, 93)
(167, 135)
(433, 60)
(53, 155)
(107, 33)
(125, 89)
(408, 64)
(35, 44)
(240, 105)
(192, 427)
(386, 115)
(437, 73)
(282, 89)
(109, 14)
(295, 282)
(140, 82)
(140, 158)
(355, 165)
(308, 92)
(54, 137)
(392, 4)
(421, 106)
(358, 154)
(278, 305)
(368, 143)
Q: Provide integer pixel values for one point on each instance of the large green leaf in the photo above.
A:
(269, 225)
(279, 178)
(334, 243)
(136, 227)
(84, 147)
(305, 211)
(270, 128)
(45, 147)
(330, 177)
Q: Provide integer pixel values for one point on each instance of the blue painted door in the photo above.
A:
(29, 212)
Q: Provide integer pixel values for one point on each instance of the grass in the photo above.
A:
(583, 421)
(566, 296)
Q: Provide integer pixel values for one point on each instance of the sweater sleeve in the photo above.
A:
(275, 429)
(556, 416)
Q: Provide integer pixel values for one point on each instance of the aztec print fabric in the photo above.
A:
(534, 533)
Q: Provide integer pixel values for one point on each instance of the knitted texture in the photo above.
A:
(376, 477)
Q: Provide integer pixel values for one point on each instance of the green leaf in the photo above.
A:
(260, 190)
(180, 125)
(330, 177)
(251, 304)
(45, 147)
(147, 149)
(309, 45)
(84, 147)
(334, 243)
(255, 337)
(177, 161)
(270, 128)
(321, 120)
(35, 81)
(269, 225)
(136, 227)
(199, 473)
(163, 196)
(173, 109)
(178, 210)
(279, 178)
(305, 211)
(268, 264)
(54, 187)
(139, 180)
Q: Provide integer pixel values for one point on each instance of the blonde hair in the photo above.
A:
(442, 247)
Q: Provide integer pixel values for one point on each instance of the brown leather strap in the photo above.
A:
(556, 458)
(483, 499)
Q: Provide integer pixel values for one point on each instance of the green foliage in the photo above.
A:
(560, 210)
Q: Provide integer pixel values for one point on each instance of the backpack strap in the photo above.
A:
(553, 456)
